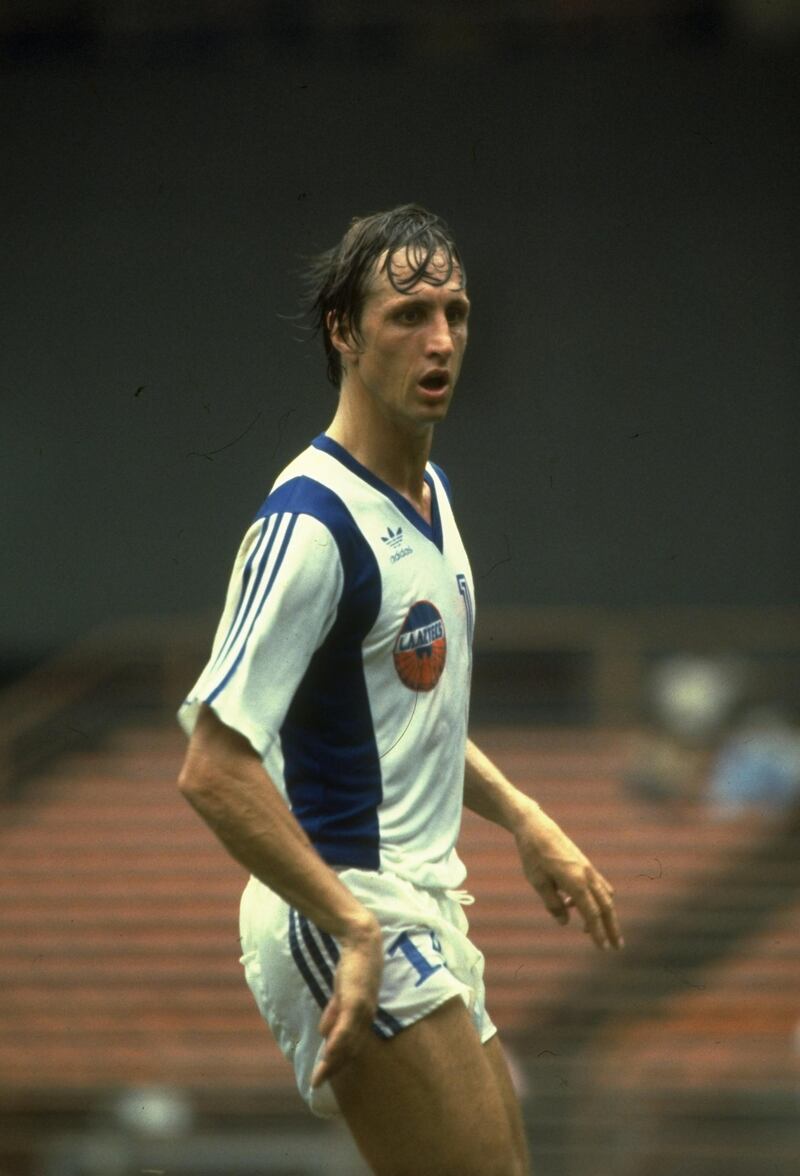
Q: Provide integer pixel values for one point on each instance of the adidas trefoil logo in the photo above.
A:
(393, 539)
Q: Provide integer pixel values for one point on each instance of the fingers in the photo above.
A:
(347, 1018)
(339, 1043)
(557, 904)
(605, 900)
(344, 1032)
(342, 1039)
(564, 877)
(329, 1016)
(592, 896)
(596, 905)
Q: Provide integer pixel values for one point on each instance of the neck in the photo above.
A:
(395, 454)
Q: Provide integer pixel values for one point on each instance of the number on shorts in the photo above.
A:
(418, 962)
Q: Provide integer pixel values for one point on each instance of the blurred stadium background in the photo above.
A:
(623, 178)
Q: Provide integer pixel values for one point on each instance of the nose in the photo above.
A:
(440, 339)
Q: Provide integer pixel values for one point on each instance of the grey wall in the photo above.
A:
(625, 429)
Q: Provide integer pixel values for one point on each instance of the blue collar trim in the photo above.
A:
(432, 530)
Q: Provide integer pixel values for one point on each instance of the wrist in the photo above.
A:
(531, 821)
(358, 926)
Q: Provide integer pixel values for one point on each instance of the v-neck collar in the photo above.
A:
(432, 530)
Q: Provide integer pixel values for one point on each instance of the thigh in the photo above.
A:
(431, 1100)
(497, 1060)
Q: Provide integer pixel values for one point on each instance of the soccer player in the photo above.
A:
(328, 738)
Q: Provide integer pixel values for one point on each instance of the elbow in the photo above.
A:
(185, 780)
(192, 778)
(207, 758)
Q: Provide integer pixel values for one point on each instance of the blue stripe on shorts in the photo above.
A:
(306, 947)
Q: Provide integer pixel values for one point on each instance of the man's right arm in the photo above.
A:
(225, 782)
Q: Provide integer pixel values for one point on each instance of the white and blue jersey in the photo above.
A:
(344, 656)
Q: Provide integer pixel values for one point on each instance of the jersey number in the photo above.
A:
(463, 588)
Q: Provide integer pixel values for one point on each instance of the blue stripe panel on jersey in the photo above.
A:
(332, 769)
(432, 531)
(264, 594)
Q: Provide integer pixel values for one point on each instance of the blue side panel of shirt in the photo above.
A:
(331, 761)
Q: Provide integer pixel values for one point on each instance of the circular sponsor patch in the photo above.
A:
(421, 647)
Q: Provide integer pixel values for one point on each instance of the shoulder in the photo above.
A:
(302, 488)
(309, 491)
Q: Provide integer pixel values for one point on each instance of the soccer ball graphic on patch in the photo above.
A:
(421, 647)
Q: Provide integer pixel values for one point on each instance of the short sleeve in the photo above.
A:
(282, 600)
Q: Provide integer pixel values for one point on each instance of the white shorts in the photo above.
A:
(289, 965)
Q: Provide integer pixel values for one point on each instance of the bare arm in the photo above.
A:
(554, 866)
(224, 780)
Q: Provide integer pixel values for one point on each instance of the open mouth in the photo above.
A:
(435, 381)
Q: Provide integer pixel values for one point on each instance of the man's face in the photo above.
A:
(410, 346)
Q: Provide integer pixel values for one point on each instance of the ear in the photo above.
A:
(341, 337)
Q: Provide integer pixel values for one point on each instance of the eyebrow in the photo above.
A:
(418, 296)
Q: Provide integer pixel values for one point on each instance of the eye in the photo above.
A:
(457, 313)
(409, 315)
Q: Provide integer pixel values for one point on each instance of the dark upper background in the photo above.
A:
(624, 188)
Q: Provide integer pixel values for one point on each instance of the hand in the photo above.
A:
(565, 878)
(346, 1021)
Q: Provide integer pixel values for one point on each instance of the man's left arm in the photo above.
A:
(555, 867)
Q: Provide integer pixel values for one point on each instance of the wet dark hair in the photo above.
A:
(337, 280)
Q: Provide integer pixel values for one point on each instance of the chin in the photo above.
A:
(432, 415)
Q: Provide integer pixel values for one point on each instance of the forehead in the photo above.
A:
(382, 286)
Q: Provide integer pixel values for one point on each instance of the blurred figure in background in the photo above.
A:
(757, 767)
(708, 742)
